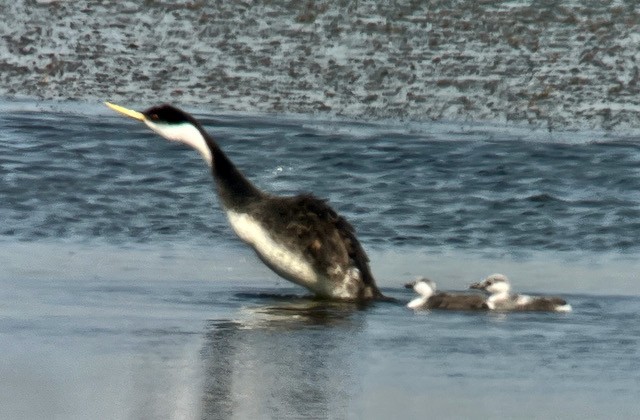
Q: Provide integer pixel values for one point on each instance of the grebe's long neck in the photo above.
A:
(234, 189)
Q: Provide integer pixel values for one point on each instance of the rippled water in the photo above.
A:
(98, 177)
(124, 293)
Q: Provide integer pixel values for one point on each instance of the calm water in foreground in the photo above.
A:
(123, 293)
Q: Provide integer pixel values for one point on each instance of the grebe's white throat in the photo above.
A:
(183, 133)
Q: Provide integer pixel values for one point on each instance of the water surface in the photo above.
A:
(124, 294)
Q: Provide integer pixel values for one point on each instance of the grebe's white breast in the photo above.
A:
(291, 263)
(287, 262)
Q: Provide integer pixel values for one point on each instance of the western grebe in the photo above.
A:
(299, 237)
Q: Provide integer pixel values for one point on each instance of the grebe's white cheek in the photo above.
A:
(423, 289)
(184, 133)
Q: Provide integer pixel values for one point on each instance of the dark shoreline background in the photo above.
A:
(552, 64)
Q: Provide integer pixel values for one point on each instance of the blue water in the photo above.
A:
(124, 294)
(100, 178)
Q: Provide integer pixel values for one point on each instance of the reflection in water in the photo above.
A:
(289, 359)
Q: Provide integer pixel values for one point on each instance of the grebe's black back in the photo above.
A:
(300, 237)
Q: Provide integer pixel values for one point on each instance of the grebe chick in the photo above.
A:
(501, 298)
(429, 299)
